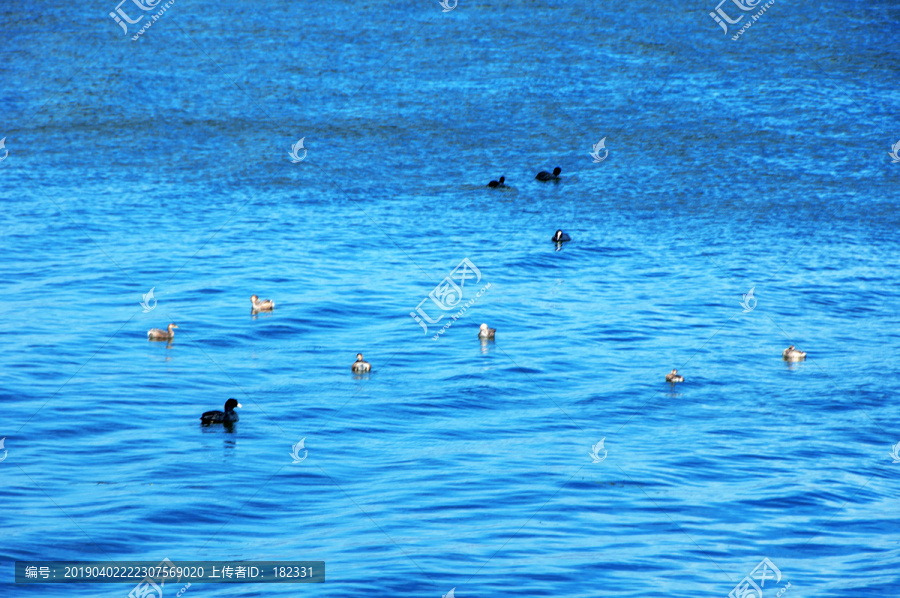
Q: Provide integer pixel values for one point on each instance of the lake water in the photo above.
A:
(163, 163)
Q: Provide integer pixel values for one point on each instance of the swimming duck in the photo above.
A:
(485, 332)
(219, 417)
(546, 176)
(156, 334)
(561, 237)
(267, 305)
(360, 366)
(495, 184)
(792, 354)
(674, 377)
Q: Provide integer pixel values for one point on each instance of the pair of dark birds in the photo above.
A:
(541, 176)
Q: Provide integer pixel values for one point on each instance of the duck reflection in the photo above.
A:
(229, 428)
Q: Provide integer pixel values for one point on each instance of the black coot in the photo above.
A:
(561, 237)
(222, 417)
(494, 184)
(546, 176)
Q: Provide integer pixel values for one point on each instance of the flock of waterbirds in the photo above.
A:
(361, 366)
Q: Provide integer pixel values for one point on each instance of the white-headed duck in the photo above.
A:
(485, 332)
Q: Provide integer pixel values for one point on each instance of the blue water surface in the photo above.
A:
(759, 164)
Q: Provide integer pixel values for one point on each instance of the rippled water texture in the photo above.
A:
(759, 164)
